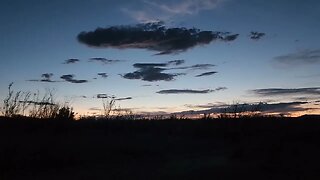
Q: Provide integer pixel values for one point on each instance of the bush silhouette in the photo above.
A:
(65, 113)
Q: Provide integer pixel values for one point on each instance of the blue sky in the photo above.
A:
(281, 65)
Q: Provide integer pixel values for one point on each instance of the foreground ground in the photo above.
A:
(166, 149)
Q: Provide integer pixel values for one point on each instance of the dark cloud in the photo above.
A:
(123, 99)
(151, 72)
(38, 103)
(71, 61)
(147, 65)
(177, 62)
(206, 74)
(227, 36)
(282, 107)
(104, 60)
(152, 36)
(70, 78)
(308, 56)
(104, 96)
(103, 75)
(46, 77)
(282, 91)
(155, 71)
(196, 67)
(189, 91)
(256, 35)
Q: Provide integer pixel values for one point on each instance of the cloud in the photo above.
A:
(189, 91)
(123, 99)
(46, 77)
(104, 96)
(254, 35)
(103, 75)
(95, 109)
(104, 60)
(196, 67)
(152, 36)
(281, 107)
(152, 10)
(155, 71)
(70, 78)
(206, 74)
(283, 91)
(303, 57)
(151, 72)
(71, 61)
(38, 103)
(185, 7)
(176, 62)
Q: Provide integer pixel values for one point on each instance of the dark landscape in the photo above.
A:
(250, 148)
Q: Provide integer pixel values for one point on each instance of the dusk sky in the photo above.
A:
(165, 56)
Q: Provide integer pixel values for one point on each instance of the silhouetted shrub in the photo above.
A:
(65, 113)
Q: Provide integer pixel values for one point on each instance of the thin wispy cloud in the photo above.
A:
(123, 99)
(104, 60)
(281, 107)
(71, 61)
(303, 57)
(184, 7)
(190, 91)
(106, 96)
(285, 91)
(46, 77)
(207, 74)
(152, 10)
(152, 36)
(70, 78)
(196, 67)
(38, 103)
(176, 62)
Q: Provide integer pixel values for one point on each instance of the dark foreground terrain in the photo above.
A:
(263, 148)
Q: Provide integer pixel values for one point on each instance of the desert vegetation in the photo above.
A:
(239, 144)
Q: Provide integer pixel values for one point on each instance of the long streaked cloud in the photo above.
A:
(46, 77)
(303, 57)
(207, 74)
(38, 103)
(106, 96)
(190, 91)
(281, 107)
(196, 67)
(287, 91)
(104, 60)
(123, 98)
(70, 78)
(152, 36)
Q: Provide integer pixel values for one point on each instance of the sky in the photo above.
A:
(168, 56)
